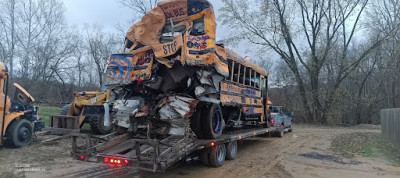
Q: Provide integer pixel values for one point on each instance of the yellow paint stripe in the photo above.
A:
(198, 15)
(208, 32)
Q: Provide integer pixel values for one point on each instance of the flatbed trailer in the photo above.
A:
(155, 155)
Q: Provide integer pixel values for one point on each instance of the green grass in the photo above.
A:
(368, 151)
(372, 145)
(45, 112)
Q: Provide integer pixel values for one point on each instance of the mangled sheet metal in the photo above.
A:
(177, 110)
(124, 110)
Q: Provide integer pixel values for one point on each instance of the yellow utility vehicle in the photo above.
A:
(87, 107)
(18, 118)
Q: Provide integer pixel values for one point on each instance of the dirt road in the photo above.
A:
(306, 152)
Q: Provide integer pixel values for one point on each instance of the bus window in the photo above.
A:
(230, 65)
(264, 84)
(240, 74)
(198, 27)
(247, 81)
(236, 72)
(251, 77)
(257, 80)
(244, 75)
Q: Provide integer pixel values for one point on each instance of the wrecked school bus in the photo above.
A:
(175, 91)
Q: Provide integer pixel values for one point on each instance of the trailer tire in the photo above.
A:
(97, 125)
(20, 133)
(213, 122)
(231, 150)
(204, 157)
(64, 110)
(195, 123)
(217, 155)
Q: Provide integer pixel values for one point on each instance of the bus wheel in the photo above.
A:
(20, 133)
(195, 123)
(231, 150)
(217, 155)
(213, 122)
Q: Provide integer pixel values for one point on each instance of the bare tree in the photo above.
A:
(8, 32)
(139, 7)
(100, 45)
(386, 17)
(306, 41)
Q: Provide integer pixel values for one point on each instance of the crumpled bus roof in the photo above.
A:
(175, 30)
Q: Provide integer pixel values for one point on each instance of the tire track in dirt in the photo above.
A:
(99, 172)
(283, 147)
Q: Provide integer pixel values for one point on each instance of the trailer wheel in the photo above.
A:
(204, 157)
(97, 125)
(64, 110)
(231, 150)
(217, 155)
(20, 133)
(213, 122)
(195, 123)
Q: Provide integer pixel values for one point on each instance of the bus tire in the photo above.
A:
(213, 122)
(231, 150)
(195, 123)
(217, 155)
(19, 133)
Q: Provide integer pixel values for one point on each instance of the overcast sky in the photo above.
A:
(108, 13)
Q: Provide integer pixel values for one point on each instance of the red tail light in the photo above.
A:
(212, 143)
(82, 157)
(116, 161)
(272, 122)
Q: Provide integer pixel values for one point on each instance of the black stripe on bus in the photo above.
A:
(242, 105)
(237, 94)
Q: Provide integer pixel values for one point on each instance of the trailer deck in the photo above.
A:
(149, 155)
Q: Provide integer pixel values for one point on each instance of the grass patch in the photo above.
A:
(367, 145)
(45, 112)
(368, 151)
(349, 145)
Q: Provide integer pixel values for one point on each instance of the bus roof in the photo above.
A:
(237, 58)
